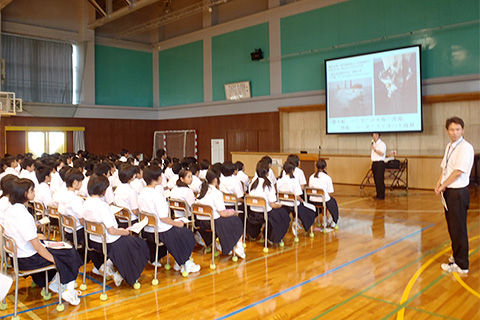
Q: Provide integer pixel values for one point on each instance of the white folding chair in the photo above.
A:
(152, 222)
(315, 192)
(231, 199)
(10, 247)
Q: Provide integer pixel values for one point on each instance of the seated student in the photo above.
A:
(5, 186)
(89, 165)
(20, 225)
(161, 157)
(204, 166)
(124, 154)
(297, 173)
(164, 185)
(182, 191)
(60, 192)
(172, 181)
(321, 180)
(10, 163)
(125, 195)
(168, 171)
(57, 181)
(114, 180)
(228, 227)
(288, 183)
(28, 170)
(241, 176)
(196, 182)
(271, 176)
(278, 217)
(129, 254)
(230, 184)
(43, 194)
(104, 169)
(138, 183)
(179, 241)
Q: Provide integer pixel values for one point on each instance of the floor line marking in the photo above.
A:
(24, 308)
(320, 275)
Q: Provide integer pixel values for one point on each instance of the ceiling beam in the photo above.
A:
(97, 7)
(4, 3)
(139, 4)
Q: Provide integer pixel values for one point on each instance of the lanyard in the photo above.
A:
(449, 154)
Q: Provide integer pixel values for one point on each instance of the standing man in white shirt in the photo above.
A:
(453, 186)
(378, 150)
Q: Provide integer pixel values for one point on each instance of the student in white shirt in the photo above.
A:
(228, 227)
(28, 170)
(278, 217)
(230, 184)
(125, 195)
(270, 175)
(11, 163)
(6, 186)
(129, 254)
(172, 181)
(57, 182)
(297, 173)
(321, 180)
(182, 191)
(43, 194)
(288, 183)
(138, 183)
(241, 176)
(167, 168)
(20, 225)
(204, 166)
(196, 181)
(57, 195)
(179, 241)
(104, 168)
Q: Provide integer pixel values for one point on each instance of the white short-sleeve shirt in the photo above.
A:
(138, 185)
(172, 182)
(231, 185)
(4, 205)
(196, 184)
(213, 198)
(152, 201)
(20, 225)
(182, 193)
(126, 197)
(287, 184)
(324, 182)
(97, 210)
(244, 179)
(43, 194)
(380, 146)
(71, 205)
(268, 193)
(458, 156)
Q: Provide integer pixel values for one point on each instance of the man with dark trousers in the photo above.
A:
(378, 149)
(453, 187)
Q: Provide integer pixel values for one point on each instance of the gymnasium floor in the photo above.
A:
(382, 263)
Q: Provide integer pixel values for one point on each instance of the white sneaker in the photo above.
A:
(96, 271)
(239, 251)
(190, 267)
(71, 297)
(218, 246)
(176, 266)
(332, 224)
(157, 263)
(53, 286)
(451, 259)
(117, 278)
(199, 239)
(453, 267)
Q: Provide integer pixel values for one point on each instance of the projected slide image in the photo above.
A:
(395, 84)
(352, 98)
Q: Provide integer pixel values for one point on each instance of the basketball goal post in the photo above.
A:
(178, 143)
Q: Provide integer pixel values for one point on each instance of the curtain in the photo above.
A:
(38, 70)
(78, 141)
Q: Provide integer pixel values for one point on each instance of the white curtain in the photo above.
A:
(38, 70)
(78, 141)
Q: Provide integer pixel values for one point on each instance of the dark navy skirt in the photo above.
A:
(305, 215)
(227, 229)
(67, 262)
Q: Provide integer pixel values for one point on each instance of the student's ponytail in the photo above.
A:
(321, 165)
(209, 178)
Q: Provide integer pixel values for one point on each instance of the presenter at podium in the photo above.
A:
(378, 149)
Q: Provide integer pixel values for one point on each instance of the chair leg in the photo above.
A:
(245, 227)
(84, 285)
(265, 249)
(214, 245)
(16, 297)
(155, 281)
(103, 296)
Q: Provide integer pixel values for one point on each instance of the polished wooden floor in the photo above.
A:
(382, 263)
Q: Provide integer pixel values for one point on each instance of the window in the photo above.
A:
(45, 142)
(38, 70)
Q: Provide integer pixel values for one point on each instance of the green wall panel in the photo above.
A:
(309, 37)
(181, 74)
(123, 77)
(231, 61)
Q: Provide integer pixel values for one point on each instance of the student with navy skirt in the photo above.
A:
(129, 254)
(20, 225)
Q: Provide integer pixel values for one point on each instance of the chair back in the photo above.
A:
(152, 219)
(125, 214)
(9, 245)
(287, 196)
(68, 222)
(231, 199)
(95, 228)
(253, 201)
(39, 208)
(314, 192)
(202, 210)
(52, 212)
(179, 205)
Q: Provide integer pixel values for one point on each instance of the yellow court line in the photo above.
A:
(408, 288)
(20, 305)
(475, 293)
